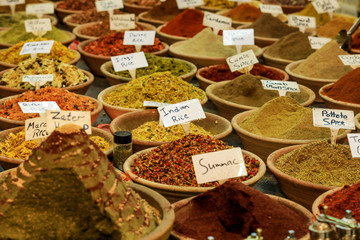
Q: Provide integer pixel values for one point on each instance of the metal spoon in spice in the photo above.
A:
(344, 39)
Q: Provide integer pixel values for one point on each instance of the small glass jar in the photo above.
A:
(122, 148)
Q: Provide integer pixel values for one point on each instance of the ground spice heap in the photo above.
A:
(294, 46)
(324, 63)
(8, 20)
(283, 118)
(164, 12)
(157, 87)
(79, 5)
(244, 12)
(332, 28)
(91, 15)
(234, 211)
(219, 3)
(65, 100)
(171, 163)
(310, 11)
(321, 163)
(112, 45)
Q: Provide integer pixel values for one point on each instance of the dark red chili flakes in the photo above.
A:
(171, 163)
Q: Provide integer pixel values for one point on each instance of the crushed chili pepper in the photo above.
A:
(79, 5)
(171, 163)
(112, 45)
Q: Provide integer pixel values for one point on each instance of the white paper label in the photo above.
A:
(139, 37)
(324, 6)
(106, 5)
(286, 86)
(37, 47)
(241, 60)
(302, 21)
(38, 25)
(129, 61)
(318, 42)
(333, 118)
(35, 128)
(216, 21)
(353, 59)
(354, 142)
(271, 8)
(154, 104)
(42, 79)
(11, 2)
(56, 119)
(38, 107)
(122, 21)
(183, 112)
(238, 37)
(214, 166)
(189, 3)
(40, 8)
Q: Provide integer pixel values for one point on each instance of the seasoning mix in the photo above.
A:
(244, 12)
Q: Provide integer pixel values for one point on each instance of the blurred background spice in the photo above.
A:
(244, 12)
(310, 11)
(219, 3)
(79, 5)
(333, 27)
(165, 11)
(7, 20)
(91, 15)
(288, 2)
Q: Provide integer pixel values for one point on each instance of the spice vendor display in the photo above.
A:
(64, 75)
(158, 64)
(324, 63)
(112, 45)
(69, 202)
(164, 12)
(284, 118)
(233, 211)
(288, 2)
(157, 87)
(310, 11)
(122, 148)
(321, 163)
(8, 20)
(149, 3)
(294, 46)
(332, 28)
(91, 15)
(171, 163)
(78, 5)
(58, 53)
(65, 100)
(247, 90)
(244, 12)
(219, 3)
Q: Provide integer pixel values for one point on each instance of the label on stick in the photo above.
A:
(318, 42)
(324, 6)
(56, 119)
(333, 118)
(35, 128)
(139, 37)
(286, 86)
(154, 104)
(41, 78)
(129, 61)
(301, 22)
(238, 37)
(214, 166)
(106, 5)
(353, 59)
(122, 21)
(37, 47)
(182, 4)
(216, 21)
(11, 2)
(241, 60)
(354, 142)
(271, 8)
(38, 25)
(40, 8)
(38, 107)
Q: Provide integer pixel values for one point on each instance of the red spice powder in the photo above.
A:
(77, 4)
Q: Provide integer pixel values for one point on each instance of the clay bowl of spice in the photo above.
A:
(319, 201)
(169, 39)
(357, 122)
(69, 24)
(62, 13)
(218, 126)
(137, 9)
(143, 17)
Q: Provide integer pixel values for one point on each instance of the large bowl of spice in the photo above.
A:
(169, 39)
(145, 18)
(146, 131)
(174, 177)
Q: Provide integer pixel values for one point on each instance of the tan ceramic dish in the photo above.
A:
(275, 62)
(79, 89)
(175, 193)
(154, 22)
(183, 205)
(114, 111)
(357, 122)
(62, 13)
(218, 126)
(94, 62)
(228, 109)
(115, 79)
(320, 199)
(137, 9)
(169, 39)
(264, 146)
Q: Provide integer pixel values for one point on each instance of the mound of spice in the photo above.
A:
(91, 15)
(284, 118)
(333, 27)
(234, 211)
(294, 46)
(65, 100)
(158, 64)
(8, 20)
(78, 5)
(310, 11)
(324, 63)
(288, 2)
(171, 163)
(247, 90)
(222, 72)
(356, 41)
(219, 3)
(58, 53)
(65, 75)
(149, 3)
(112, 45)
(244, 12)
(321, 163)
(164, 12)
(157, 87)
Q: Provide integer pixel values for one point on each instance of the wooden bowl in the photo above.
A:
(94, 62)
(357, 122)
(218, 126)
(62, 13)
(175, 193)
(264, 146)
(137, 9)
(154, 22)
(114, 111)
(183, 204)
(8, 163)
(169, 39)
(320, 199)
(114, 79)
(228, 109)
(313, 83)
(6, 123)
(275, 62)
(79, 89)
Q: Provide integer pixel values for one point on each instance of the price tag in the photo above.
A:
(189, 3)
(241, 60)
(281, 86)
(38, 26)
(108, 5)
(216, 21)
(37, 47)
(122, 21)
(214, 166)
(353, 59)
(238, 37)
(11, 2)
(35, 128)
(183, 112)
(302, 22)
(324, 6)
(154, 104)
(139, 37)
(354, 142)
(129, 62)
(40, 8)
(272, 9)
(38, 107)
(38, 80)
(318, 42)
(56, 119)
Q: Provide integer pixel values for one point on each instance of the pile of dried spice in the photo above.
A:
(157, 87)
(244, 12)
(164, 12)
(65, 100)
(310, 11)
(171, 163)
(79, 5)
(8, 20)
(219, 3)
(149, 3)
(91, 15)
(112, 45)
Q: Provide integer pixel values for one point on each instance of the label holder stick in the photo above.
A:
(334, 132)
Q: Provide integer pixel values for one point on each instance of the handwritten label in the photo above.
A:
(189, 3)
(181, 112)
(354, 142)
(106, 5)
(139, 37)
(35, 128)
(41, 79)
(216, 21)
(11, 2)
(40, 8)
(271, 8)
(318, 42)
(324, 6)
(154, 104)
(56, 119)
(353, 59)
(122, 21)
(38, 107)
(129, 61)
(241, 60)
(281, 86)
(333, 118)
(214, 166)
(238, 37)
(301, 22)
(38, 25)
(37, 47)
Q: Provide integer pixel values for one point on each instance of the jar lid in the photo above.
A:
(122, 137)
